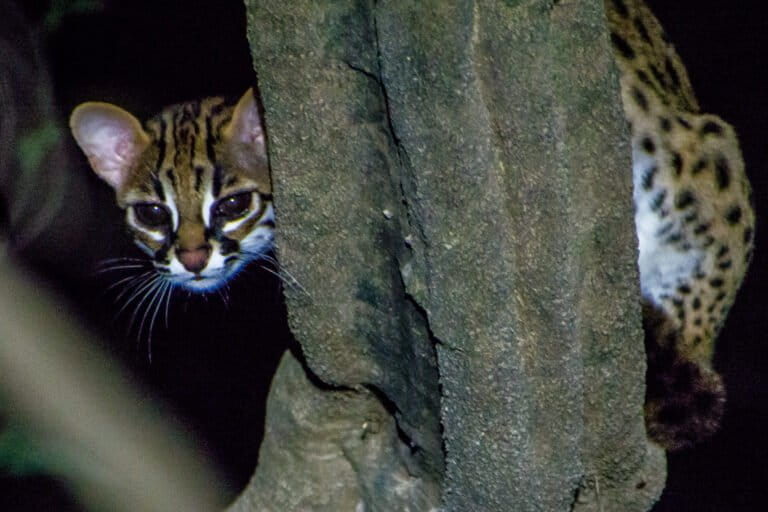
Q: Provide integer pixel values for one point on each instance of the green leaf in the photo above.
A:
(19, 455)
(33, 146)
(59, 9)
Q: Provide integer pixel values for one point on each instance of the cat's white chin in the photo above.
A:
(216, 274)
(206, 284)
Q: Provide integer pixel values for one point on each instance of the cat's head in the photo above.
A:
(193, 181)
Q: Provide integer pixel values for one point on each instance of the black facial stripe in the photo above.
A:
(192, 145)
(260, 211)
(217, 177)
(161, 144)
(210, 141)
(171, 177)
(216, 109)
(158, 187)
(175, 132)
(198, 177)
(228, 246)
(266, 199)
(222, 122)
(161, 255)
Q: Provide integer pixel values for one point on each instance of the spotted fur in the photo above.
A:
(694, 221)
(193, 182)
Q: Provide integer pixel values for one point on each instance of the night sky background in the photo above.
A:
(144, 54)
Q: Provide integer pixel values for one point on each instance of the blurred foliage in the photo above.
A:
(20, 455)
(34, 146)
(59, 9)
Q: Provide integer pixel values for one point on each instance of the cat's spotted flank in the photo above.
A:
(694, 221)
(193, 182)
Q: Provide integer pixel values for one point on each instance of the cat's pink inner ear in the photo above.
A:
(245, 126)
(110, 137)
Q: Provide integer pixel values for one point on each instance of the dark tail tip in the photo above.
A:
(683, 406)
(685, 400)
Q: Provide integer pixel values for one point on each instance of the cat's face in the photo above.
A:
(193, 182)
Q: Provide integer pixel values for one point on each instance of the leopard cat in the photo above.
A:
(194, 183)
(694, 221)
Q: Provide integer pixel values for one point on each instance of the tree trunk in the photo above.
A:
(453, 190)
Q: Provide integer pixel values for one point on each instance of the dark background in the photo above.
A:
(211, 366)
(724, 46)
(208, 367)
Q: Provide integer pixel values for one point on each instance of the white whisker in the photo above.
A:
(165, 293)
(223, 293)
(148, 295)
(136, 281)
(287, 279)
(110, 261)
(283, 274)
(168, 302)
(126, 279)
(154, 303)
(119, 267)
(152, 297)
(138, 291)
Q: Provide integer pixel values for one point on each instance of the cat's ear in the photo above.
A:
(110, 137)
(245, 126)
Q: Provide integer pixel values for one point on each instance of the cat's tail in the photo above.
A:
(685, 399)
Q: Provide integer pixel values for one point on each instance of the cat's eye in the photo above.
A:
(234, 206)
(152, 215)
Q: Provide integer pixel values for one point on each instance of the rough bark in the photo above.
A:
(453, 189)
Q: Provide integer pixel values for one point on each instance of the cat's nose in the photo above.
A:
(194, 260)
